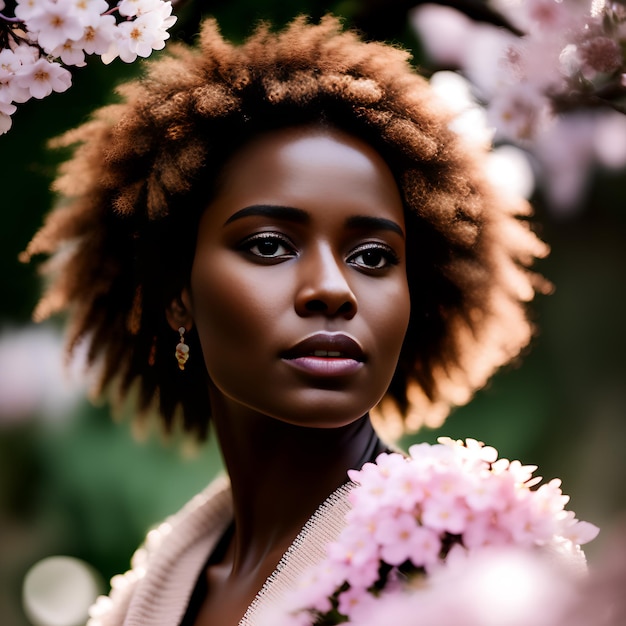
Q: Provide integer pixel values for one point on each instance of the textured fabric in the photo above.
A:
(156, 591)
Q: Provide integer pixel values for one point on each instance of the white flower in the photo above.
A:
(71, 53)
(26, 9)
(87, 10)
(54, 24)
(98, 35)
(24, 57)
(26, 54)
(141, 36)
(43, 77)
(132, 8)
(5, 121)
(519, 112)
(6, 99)
(9, 64)
(67, 30)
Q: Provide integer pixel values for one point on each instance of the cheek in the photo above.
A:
(389, 310)
(233, 307)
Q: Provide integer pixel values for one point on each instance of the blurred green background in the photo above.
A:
(73, 481)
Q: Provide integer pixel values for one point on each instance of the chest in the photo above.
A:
(221, 598)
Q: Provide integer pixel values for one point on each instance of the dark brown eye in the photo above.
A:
(268, 246)
(373, 256)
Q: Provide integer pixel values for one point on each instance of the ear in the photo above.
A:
(178, 313)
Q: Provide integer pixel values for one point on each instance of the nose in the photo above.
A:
(323, 287)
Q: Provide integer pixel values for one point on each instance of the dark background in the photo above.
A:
(80, 484)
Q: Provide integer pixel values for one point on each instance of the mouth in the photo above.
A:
(326, 355)
(327, 346)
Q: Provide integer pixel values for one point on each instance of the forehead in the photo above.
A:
(308, 166)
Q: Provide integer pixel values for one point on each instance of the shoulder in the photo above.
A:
(198, 519)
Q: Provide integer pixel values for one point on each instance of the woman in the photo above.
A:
(276, 239)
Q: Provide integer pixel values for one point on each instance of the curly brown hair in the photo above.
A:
(144, 169)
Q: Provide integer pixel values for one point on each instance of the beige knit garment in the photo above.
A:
(156, 591)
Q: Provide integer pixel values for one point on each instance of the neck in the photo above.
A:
(280, 473)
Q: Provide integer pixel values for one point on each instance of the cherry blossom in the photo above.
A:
(71, 53)
(413, 516)
(549, 90)
(133, 8)
(496, 587)
(53, 24)
(47, 36)
(43, 77)
(98, 34)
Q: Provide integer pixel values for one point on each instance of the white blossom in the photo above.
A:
(141, 36)
(26, 9)
(66, 31)
(43, 77)
(9, 64)
(54, 24)
(132, 8)
(87, 10)
(98, 35)
(519, 113)
(5, 118)
(71, 53)
(542, 89)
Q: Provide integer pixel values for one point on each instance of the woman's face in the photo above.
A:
(298, 287)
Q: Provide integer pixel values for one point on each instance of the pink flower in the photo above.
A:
(600, 54)
(401, 538)
(435, 513)
(354, 602)
(485, 491)
(5, 117)
(482, 529)
(519, 113)
(355, 546)
(444, 514)
(581, 532)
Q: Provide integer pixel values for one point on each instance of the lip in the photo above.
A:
(326, 354)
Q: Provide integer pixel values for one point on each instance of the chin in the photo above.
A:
(328, 418)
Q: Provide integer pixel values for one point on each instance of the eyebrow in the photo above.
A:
(374, 223)
(288, 213)
(299, 216)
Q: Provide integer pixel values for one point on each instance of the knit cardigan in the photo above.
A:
(157, 589)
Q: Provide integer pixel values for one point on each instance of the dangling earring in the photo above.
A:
(182, 349)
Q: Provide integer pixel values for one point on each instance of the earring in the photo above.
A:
(182, 349)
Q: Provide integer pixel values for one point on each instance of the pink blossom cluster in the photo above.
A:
(46, 36)
(497, 587)
(440, 505)
(567, 72)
